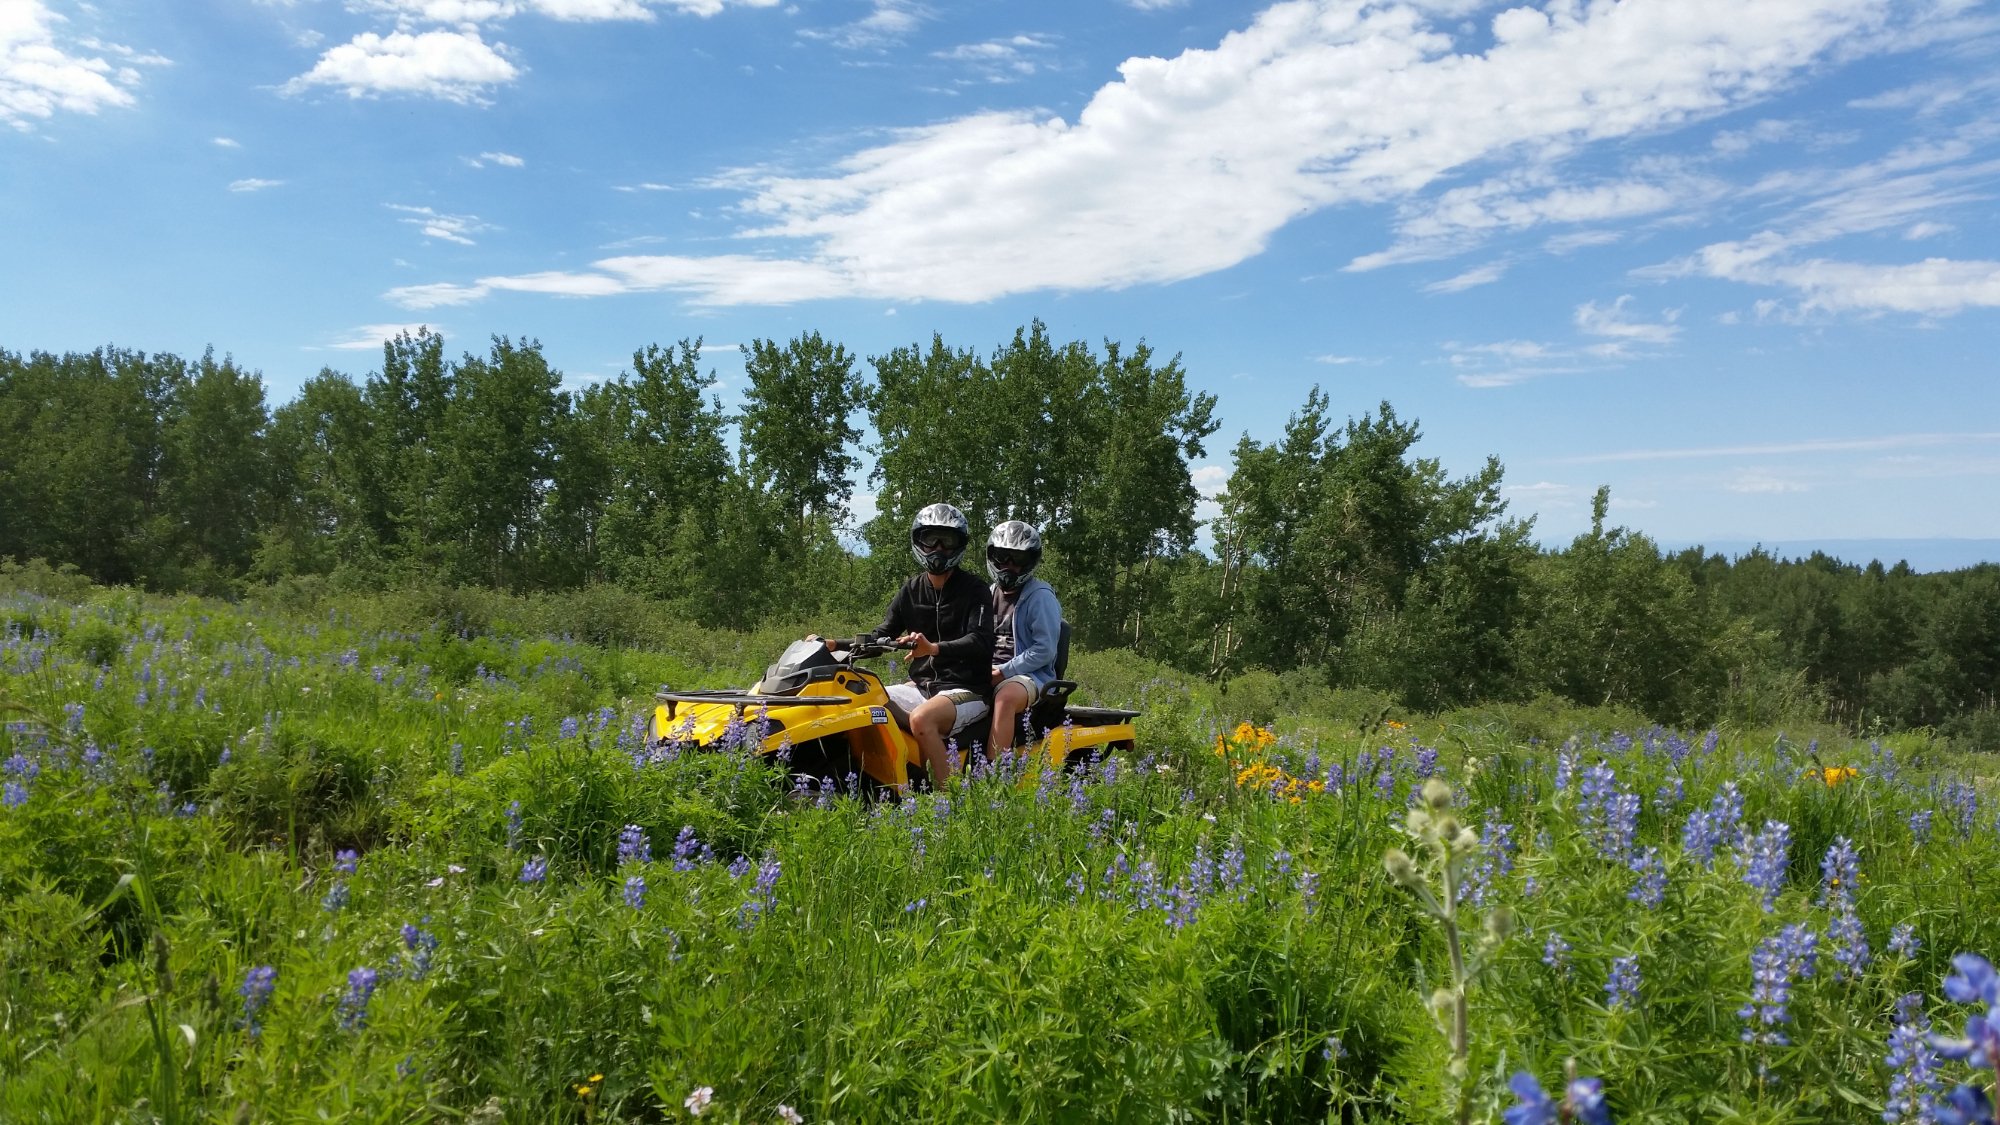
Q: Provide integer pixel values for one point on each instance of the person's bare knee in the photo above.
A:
(1008, 703)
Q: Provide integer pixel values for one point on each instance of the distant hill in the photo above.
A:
(1922, 554)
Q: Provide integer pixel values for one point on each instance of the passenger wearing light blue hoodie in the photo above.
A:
(1027, 623)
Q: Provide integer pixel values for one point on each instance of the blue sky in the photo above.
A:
(1740, 261)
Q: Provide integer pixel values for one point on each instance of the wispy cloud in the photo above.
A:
(503, 159)
(1476, 276)
(1613, 321)
(253, 184)
(225, 142)
(888, 23)
(1786, 449)
(369, 336)
(449, 228)
(1759, 482)
(1908, 189)
(1000, 60)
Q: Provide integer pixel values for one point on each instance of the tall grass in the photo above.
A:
(1200, 931)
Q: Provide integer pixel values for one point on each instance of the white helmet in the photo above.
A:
(1018, 544)
(938, 537)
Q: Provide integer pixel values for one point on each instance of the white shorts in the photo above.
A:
(908, 697)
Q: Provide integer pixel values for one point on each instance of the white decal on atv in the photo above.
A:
(880, 715)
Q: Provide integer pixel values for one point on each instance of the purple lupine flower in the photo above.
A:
(258, 985)
(1309, 891)
(1965, 1104)
(1532, 1105)
(633, 847)
(419, 944)
(1770, 990)
(335, 898)
(1555, 953)
(1565, 768)
(1962, 801)
(1850, 943)
(689, 852)
(1496, 860)
(1974, 983)
(763, 894)
(1621, 986)
(1583, 1102)
(1840, 872)
(535, 869)
(1920, 827)
(13, 795)
(1903, 941)
(1385, 785)
(354, 1002)
(1913, 1088)
(514, 827)
(347, 861)
(1232, 868)
(1651, 885)
(1670, 792)
(635, 892)
(569, 727)
(1801, 946)
(1181, 904)
(1764, 857)
(1426, 762)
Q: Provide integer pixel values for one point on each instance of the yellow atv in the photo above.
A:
(834, 720)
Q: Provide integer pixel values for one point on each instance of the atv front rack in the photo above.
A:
(744, 700)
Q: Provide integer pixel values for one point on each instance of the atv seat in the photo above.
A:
(1053, 708)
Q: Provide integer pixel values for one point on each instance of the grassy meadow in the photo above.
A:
(411, 858)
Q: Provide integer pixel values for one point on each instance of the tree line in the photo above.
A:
(1341, 558)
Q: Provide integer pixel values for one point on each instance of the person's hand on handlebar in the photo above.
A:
(920, 645)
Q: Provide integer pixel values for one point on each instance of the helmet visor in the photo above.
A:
(937, 538)
(1008, 559)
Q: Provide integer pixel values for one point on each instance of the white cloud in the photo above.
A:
(370, 336)
(1612, 321)
(1209, 480)
(1155, 5)
(1925, 230)
(1344, 360)
(504, 159)
(225, 142)
(1188, 165)
(253, 184)
(40, 75)
(644, 187)
(1476, 276)
(457, 66)
(450, 228)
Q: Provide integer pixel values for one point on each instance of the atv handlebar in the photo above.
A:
(865, 648)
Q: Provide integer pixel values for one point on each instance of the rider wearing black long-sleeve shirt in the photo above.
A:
(947, 616)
